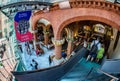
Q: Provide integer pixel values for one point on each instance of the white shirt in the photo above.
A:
(98, 45)
(85, 44)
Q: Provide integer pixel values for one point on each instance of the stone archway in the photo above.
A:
(58, 21)
(67, 47)
(59, 18)
(41, 32)
(92, 18)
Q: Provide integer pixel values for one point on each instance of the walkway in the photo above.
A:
(43, 61)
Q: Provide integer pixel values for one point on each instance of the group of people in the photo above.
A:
(39, 51)
(34, 64)
(28, 48)
(41, 37)
(96, 50)
(95, 47)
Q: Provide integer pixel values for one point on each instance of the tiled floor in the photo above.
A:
(43, 61)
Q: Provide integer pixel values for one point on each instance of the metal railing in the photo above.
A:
(113, 77)
(6, 2)
(4, 68)
(101, 72)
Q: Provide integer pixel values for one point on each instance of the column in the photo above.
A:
(111, 52)
(35, 38)
(69, 48)
(46, 37)
(58, 46)
(70, 39)
(58, 51)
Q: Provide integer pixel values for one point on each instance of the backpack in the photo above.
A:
(94, 48)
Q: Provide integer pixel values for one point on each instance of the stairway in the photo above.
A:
(80, 71)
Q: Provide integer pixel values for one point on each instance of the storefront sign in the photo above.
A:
(22, 26)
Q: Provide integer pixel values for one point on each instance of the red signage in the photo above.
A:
(22, 26)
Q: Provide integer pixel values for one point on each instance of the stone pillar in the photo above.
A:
(110, 49)
(58, 51)
(46, 38)
(58, 46)
(35, 38)
(76, 28)
(69, 48)
(70, 38)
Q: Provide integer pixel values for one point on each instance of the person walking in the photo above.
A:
(100, 53)
(20, 48)
(34, 64)
(95, 46)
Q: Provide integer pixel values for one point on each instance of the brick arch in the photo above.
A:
(92, 18)
(35, 21)
(59, 18)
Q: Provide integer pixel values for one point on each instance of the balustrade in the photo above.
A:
(89, 4)
(96, 4)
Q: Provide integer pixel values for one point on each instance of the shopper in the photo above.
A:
(100, 53)
(95, 46)
(34, 64)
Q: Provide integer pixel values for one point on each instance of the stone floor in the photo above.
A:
(42, 60)
(9, 64)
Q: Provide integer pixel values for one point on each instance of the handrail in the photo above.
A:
(112, 59)
(103, 72)
(15, 4)
(34, 71)
(113, 77)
